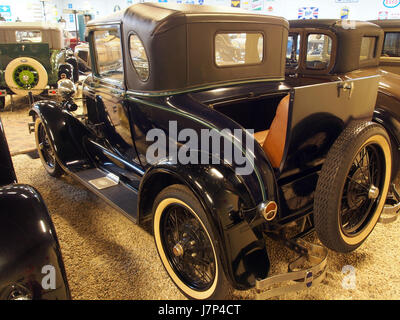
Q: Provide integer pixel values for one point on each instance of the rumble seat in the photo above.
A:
(273, 140)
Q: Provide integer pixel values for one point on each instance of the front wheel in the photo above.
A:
(186, 245)
(353, 186)
(45, 150)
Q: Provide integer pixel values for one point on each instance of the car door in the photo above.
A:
(108, 82)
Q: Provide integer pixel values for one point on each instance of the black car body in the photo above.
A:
(187, 67)
(31, 265)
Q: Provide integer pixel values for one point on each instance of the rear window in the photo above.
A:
(28, 36)
(367, 48)
(233, 49)
(319, 50)
(391, 46)
(292, 51)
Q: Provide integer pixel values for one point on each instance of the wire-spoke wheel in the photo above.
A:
(45, 150)
(186, 245)
(26, 74)
(353, 186)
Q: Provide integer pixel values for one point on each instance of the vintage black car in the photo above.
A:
(290, 160)
(31, 265)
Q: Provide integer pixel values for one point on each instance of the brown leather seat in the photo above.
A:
(273, 140)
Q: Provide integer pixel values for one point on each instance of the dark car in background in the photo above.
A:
(316, 160)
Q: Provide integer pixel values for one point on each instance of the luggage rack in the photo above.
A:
(309, 269)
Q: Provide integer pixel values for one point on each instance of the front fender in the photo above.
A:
(29, 248)
(225, 199)
(65, 132)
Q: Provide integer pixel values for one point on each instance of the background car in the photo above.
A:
(33, 58)
(390, 57)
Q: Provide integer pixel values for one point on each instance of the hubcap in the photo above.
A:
(178, 250)
(373, 192)
(26, 77)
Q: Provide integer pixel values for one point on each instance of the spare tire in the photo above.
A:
(352, 186)
(26, 74)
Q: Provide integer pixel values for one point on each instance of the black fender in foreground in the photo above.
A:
(226, 201)
(7, 173)
(66, 133)
(31, 265)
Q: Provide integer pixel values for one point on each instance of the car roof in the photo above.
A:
(29, 26)
(179, 43)
(349, 35)
(160, 16)
(387, 23)
(335, 25)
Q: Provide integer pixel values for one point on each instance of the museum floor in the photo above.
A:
(108, 257)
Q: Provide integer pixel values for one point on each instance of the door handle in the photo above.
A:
(345, 86)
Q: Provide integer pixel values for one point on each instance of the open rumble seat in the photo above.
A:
(273, 140)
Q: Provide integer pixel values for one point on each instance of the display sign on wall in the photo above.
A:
(308, 13)
(5, 12)
(257, 5)
(235, 3)
(344, 13)
(391, 3)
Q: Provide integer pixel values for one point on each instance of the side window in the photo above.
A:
(391, 46)
(139, 57)
(319, 50)
(28, 36)
(293, 50)
(367, 48)
(238, 49)
(107, 45)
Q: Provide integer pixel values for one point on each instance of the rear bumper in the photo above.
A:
(306, 271)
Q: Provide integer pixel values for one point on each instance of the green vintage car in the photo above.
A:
(33, 57)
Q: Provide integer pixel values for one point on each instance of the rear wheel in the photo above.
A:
(353, 186)
(186, 245)
(45, 150)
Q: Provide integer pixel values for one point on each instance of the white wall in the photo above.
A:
(30, 10)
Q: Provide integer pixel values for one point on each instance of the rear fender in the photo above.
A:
(225, 199)
(65, 132)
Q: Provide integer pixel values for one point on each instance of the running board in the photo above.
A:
(306, 271)
(108, 187)
(391, 210)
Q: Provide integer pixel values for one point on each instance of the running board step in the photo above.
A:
(108, 187)
(307, 270)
